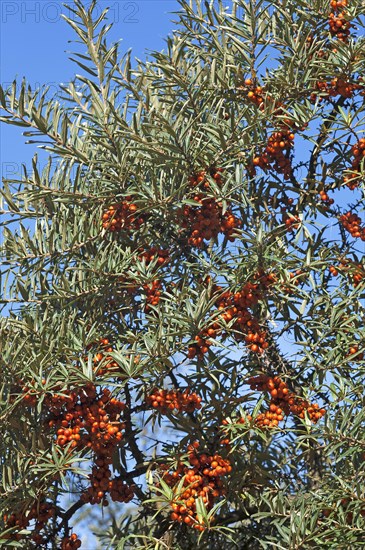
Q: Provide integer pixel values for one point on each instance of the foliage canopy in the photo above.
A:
(183, 286)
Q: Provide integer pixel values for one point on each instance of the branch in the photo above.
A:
(129, 433)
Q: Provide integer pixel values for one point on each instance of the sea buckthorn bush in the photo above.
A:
(182, 337)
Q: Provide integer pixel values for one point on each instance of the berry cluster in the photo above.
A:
(243, 420)
(86, 418)
(41, 511)
(202, 341)
(358, 275)
(355, 270)
(122, 215)
(152, 290)
(166, 401)
(205, 222)
(325, 197)
(259, 96)
(120, 491)
(333, 270)
(288, 212)
(101, 484)
(202, 478)
(153, 294)
(283, 402)
(352, 223)
(358, 150)
(199, 179)
(291, 221)
(336, 87)
(234, 308)
(154, 254)
(320, 53)
(338, 22)
(276, 153)
(255, 93)
(294, 280)
(103, 363)
(30, 396)
(270, 418)
(337, 5)
(70, 543)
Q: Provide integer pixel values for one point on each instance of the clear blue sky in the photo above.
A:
(34, 44)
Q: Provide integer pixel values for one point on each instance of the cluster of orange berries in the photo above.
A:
(355, 270)
(246, 328)
(291, 221)
(234, 306)
(352, 223)
(319, 53)
(337, 5)
(153, 292)
(202, 478)
(120, 491)
(41, 511)
(202, 342)
(358, 150)
(70, 543)
(243, 420)
(288, 217)
(154, 254)
(270, 418)
(325, 197)
(358, 275)
(101, 484)
(280, 143)
(122, 215)
(205, 222)
(259, 96)
(337, 86)
(30, 396)
(103, 363)
(283, 402)
(339, 24)
(166, 401)
(333, 270)
(255, 93)
(86, 418)
(199, 179)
